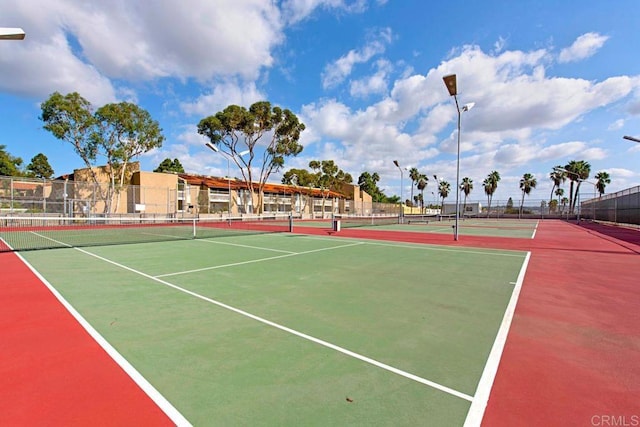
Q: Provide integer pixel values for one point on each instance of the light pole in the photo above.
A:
(217, 150)
(452, 86)
(12, 34)
(631, 138)
(395, 162)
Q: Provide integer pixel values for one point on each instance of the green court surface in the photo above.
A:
(287, 329)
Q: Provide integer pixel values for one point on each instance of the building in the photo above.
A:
(181, 194)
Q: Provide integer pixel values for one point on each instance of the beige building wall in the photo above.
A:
(153, 193)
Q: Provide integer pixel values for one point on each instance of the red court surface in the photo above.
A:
(51, 371)
(572, 356)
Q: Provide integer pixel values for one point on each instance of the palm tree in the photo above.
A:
(414, 175)
(527, 183)
(558, 175)
(603, 179)
(577, 171)
(422, 184)
(559, 193)
(418, 200)
(490, 185)
(443, 190)
(466, 186)
(564, 202)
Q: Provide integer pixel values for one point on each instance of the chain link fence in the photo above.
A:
(29, 196)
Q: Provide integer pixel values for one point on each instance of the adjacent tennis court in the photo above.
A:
(284, 329)
(440, 224)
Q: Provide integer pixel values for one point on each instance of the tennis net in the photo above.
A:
(349, 221)
(28, 233)
(427, 218)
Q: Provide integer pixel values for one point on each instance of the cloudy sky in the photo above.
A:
(551, 81)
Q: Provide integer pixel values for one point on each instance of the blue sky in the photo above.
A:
(552, 81)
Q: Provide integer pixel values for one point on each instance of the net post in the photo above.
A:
(194, 228)
(290, 222)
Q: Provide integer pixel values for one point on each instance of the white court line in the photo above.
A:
(426, 247)
(217, 242)
(535, 229)
(133, 373)
(481, 397)
(342, 350)
(289, 254)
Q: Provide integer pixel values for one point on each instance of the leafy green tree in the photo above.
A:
(301, 177)
(124, 131)
(466, 186)
(509, 208)
(9, 165)
(527, 183)
(490, 185)
(118, 132)
(40, 167)
(235, 129)
(329, 175)
(70, 118)
(369, 183)
(602, 180)
(168, 165)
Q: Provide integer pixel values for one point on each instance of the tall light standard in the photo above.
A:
(11, 34)
(395, 162)
(217, 150)
(452, 86)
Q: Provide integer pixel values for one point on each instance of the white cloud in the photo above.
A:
(517, 105)
(585, 46)
(618, 124)
(221, 96)
(623, 173)
(336, 72)
(373, 84)
(28, 71)
(297, 10)
(499, 45)
(78, 45)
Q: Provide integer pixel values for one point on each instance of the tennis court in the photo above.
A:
(284, 329)
(439, 224)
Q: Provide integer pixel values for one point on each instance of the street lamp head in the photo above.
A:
(243, 153)
(12, 34)
(631, 138)
(395, 162)
(211, 146)
(450, 82)
(469, 106)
